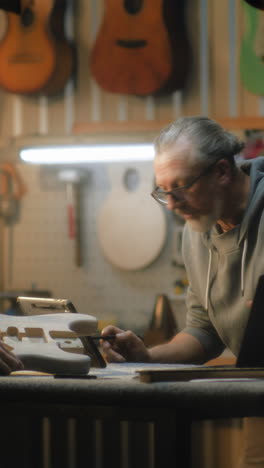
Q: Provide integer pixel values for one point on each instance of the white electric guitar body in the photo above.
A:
(35, 340)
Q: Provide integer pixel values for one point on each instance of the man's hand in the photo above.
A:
(124, 347)
(8, 361)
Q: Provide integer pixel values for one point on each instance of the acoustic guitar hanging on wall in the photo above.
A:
(141, 47)
(252, 49)
(27, 53)
(35, 57)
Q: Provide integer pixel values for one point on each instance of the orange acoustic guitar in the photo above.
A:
(27, 54)
(32, 59)
(141, 47)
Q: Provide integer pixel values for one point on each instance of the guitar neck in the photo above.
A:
(24, 4)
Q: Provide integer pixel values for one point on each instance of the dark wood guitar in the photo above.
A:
(141, 47)
(65, 65)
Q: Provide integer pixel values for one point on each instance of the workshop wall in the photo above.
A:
(39, 253)
(37, 250)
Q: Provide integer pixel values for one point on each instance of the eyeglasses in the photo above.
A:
(162, 197)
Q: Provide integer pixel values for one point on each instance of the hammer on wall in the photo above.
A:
(72, 178)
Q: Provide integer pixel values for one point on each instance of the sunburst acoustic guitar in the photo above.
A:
(141, 47)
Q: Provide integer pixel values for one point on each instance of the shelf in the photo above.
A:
(154, 126)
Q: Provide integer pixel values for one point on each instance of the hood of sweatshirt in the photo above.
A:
(256, 195)
(223, 268)
(255, 205)
(254, 168)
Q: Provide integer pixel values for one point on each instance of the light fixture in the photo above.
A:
(76, 154)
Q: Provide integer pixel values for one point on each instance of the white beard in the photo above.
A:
(205, 222)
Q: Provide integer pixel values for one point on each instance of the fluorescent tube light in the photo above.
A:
(87, 153)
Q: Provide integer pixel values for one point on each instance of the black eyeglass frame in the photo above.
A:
(174, 192)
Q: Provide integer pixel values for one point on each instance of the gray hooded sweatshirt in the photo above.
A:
(223, 271)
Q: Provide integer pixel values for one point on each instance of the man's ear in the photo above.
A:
(225, 171)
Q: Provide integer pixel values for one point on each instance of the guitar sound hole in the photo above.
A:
(133, 7)
(27, 17)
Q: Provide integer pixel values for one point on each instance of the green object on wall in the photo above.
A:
(251, 63)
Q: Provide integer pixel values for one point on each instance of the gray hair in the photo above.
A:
(210, 141)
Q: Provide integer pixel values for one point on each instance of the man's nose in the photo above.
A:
(173, 201)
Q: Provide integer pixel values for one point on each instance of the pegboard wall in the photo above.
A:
(39, 254)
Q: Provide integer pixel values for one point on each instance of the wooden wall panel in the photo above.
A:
(220, 58)
(165, 103)
(191, 95)
(217, 443)
(6, 115)
(87, 97)
(31, 113)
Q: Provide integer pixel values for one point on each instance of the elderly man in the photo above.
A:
(223, 206)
